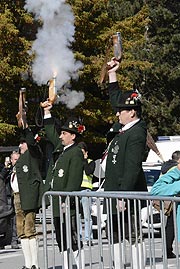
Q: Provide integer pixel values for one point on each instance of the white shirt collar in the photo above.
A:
(129, 125)
(65, 147)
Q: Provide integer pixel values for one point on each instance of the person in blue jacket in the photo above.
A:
(175, 159)
(169, 184)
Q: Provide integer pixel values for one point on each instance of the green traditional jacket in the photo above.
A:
(124, 161)
(65, 172)
(125, 155)
(28, 174)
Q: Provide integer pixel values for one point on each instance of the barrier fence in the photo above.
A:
(127, 234)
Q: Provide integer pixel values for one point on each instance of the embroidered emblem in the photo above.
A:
(114, 159)
(25, 168)
(115, 149)
(61, 173)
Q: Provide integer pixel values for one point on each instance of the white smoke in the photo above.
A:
(53, 55)
(71, 98)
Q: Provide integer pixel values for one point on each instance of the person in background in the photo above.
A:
(5, 214)
(65, 173)
(4, 203)
(175, 159)
(86, 186)
(169, 184)
(27, 186)
(5, 174)
(173, 162)
(124, 158)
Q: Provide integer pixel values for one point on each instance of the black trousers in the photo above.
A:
(124, 225)
(63, 240)
(169, 232)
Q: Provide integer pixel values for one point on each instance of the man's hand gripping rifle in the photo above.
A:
(52, 96)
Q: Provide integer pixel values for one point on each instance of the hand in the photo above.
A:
(178, 166)
(21, 119)
(63, 206)
(85, 153)
(113, 65)
(47, 107)
(7, 162)
(121, 206)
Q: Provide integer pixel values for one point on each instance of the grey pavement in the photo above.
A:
(13, 259)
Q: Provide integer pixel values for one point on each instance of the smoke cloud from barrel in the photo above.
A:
(52, 47)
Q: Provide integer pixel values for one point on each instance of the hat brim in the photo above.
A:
(69, 130)
(22, 140)
(128, 107)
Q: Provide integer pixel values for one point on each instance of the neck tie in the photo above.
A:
(12, 177)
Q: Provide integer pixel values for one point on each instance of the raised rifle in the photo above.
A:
(115, 42)
(52, 96)
(52, 92)
(21, 115)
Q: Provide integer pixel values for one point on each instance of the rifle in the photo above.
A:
(51, 99)
(116, 42)
(21, 115)
(52, 92)
(151, 144)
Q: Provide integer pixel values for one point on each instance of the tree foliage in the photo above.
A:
(151, 37)
(92, 45)
(161, 82)
(14, 58)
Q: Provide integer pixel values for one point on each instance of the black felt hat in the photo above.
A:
(129, 100)
(73, 125)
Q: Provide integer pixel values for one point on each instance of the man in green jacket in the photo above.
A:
(125, 153)
(65, 173)
(27, 185)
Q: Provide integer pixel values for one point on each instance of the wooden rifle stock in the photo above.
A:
(151, 144)
(116, 42)
(49, 101)
(103, 75)
(21, 115)
(52, 93)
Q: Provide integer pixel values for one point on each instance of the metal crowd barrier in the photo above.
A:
(140, 241)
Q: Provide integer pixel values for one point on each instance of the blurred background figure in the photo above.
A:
(5, 175)
(86, 186)
(5, 214)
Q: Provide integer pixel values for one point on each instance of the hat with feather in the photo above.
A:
(74, 126)
(129, 99)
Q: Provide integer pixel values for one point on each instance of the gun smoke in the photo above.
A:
(52, 47)
(71, 98)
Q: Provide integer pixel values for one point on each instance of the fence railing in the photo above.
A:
(133, 236)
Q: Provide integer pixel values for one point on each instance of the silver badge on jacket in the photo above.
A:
(115, 150)
(60, 173)
(25, 168)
